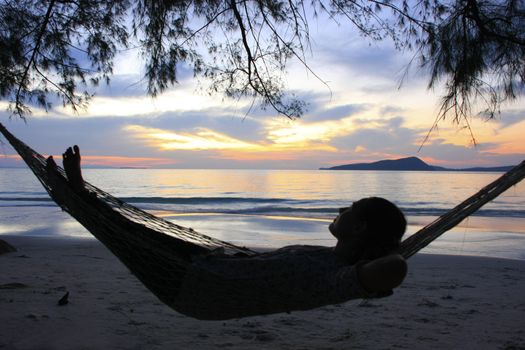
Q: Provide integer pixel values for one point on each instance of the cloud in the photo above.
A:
(126, 96)
(102, 136)
(202, 139)
(221, 120)
(335, 113)
(360, 149)
(511, 117)
(193, 140)
(363, 58)
(123, 85)
(380, 134)
(305, 133)
(376, 139)
(207, 139)
(391, 110)
(131, 83)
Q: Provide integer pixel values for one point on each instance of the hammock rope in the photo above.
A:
(453, 217)
(177, 264)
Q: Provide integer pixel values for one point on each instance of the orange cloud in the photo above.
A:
(205, 139)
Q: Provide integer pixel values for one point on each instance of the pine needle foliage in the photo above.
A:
(59, 50)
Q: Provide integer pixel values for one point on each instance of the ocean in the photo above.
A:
(272, 208)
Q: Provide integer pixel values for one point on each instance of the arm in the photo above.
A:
(383, 274)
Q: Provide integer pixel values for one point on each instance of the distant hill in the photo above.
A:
(409, 164)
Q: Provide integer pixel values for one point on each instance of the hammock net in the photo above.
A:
(207, 278)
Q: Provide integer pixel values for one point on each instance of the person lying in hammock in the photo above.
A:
(363, 264)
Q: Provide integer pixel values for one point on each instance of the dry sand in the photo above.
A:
(446, 302)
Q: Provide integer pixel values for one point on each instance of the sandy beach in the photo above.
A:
(446, 302)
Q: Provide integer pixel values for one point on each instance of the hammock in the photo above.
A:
(207, 278)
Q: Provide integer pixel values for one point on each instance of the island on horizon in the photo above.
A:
(410, 164)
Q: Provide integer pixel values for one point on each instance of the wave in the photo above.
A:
(202, 200)
(332, 212)
(263, 206)
(167, 200)
(26, 199)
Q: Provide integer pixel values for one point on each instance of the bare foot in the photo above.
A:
(71, 162)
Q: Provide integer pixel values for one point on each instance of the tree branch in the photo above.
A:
(30, 63)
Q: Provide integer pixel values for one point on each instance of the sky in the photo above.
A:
(361, 113)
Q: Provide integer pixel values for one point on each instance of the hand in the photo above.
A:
(382, 274)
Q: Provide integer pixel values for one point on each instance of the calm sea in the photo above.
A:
(266, 207)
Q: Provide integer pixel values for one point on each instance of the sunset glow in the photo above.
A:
(302, 133)
(204, 139)
(109, 161)
(361, 114)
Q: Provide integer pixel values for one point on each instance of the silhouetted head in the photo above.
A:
(369, 229)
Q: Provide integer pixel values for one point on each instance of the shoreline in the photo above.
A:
(475, 236)
(445, 302)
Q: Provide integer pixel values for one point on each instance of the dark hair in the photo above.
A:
(385, 226)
